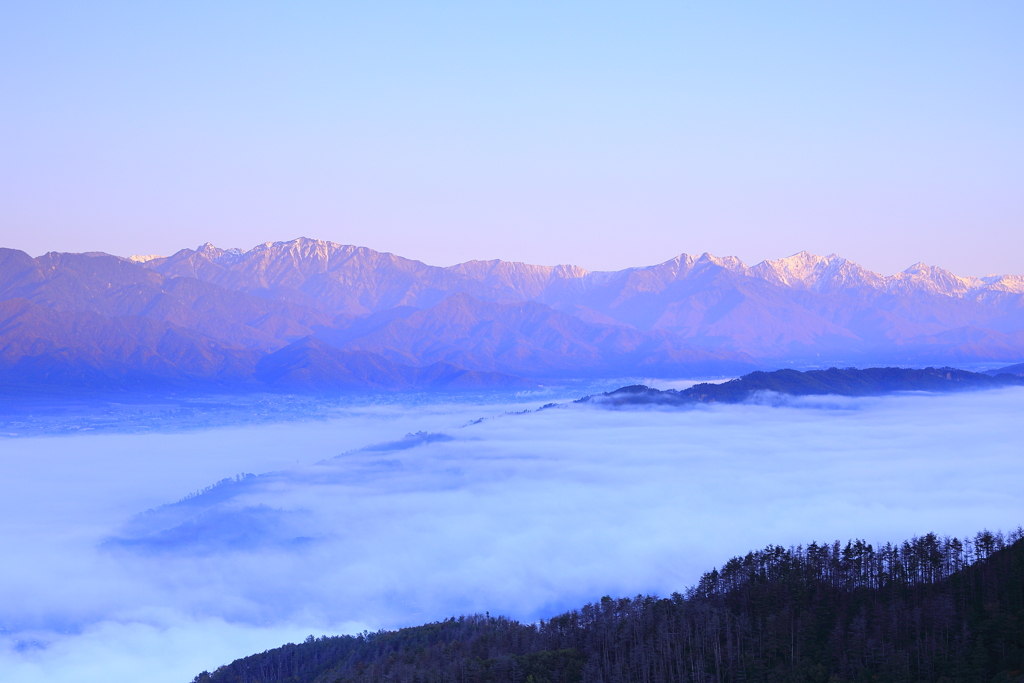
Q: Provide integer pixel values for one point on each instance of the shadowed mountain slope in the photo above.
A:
(311, 363)
(43, 347)
(533, 339)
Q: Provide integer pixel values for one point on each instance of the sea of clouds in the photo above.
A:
(124, 559)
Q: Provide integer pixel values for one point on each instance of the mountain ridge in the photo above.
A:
(831, 382)
(805, 269)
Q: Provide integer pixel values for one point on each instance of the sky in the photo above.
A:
(600, 134)
(526, 515)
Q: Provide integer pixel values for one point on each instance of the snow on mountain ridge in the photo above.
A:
(290, 262)
(143, 258)
(1012, 284)
(222, 257)
(923, 277)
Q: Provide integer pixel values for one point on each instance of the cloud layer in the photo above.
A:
(520, 514)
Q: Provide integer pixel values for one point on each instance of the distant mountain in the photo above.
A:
(220, 314)
(928, 609)
(1017, 369)
(530, 338)
(41, 346)
(834, 381)
(313, 364)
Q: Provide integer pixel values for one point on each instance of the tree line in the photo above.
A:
(932, 609)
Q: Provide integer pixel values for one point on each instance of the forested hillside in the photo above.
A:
(930, 609)
(834, 381)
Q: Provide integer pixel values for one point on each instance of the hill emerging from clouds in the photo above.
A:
(832, 382)
(315, 315)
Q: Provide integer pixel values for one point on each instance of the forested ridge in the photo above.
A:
(932, 609)
(834, 381)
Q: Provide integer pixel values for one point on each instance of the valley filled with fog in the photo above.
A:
(159, 554)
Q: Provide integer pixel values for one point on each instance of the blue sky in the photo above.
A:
(600, 134)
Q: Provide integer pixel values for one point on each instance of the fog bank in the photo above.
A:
(350, 525)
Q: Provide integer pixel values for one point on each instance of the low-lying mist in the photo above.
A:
(113, 570)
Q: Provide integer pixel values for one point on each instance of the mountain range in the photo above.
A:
(314, 315)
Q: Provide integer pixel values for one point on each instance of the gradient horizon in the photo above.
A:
(597, 134)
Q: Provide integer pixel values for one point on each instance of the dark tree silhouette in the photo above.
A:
(931, 609)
